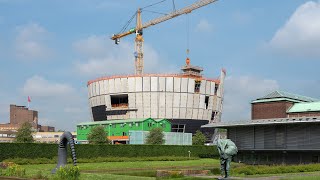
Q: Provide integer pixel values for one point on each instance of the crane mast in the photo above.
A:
(139, 30)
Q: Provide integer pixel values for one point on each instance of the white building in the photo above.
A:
(188, 99)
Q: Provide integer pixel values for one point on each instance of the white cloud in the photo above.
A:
(300, 36)
(39, 87)
(240, 91)
(204, 26)
(30, 42)
(103, 57)
(58, 103)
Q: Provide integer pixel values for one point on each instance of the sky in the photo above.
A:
(50, 49)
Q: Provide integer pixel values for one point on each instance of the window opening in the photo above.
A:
(197, 86)
(216, 89)
(206, 101)
(178, 128)
(119, 101)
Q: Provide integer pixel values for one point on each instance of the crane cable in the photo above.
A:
(128, 23)
(188, 36)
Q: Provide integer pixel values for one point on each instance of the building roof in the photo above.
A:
(216, 80)
(159, 120)
(305, 107)
(282, 95)
(114, 121)
(274, 121)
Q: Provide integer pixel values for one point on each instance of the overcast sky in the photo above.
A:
(50, 49)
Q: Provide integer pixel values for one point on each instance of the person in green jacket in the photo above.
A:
(227, 149)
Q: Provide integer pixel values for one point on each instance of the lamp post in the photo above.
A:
(109, 129)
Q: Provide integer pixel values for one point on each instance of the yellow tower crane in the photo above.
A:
(139, 30)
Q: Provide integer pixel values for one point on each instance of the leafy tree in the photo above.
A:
(24, 134)
(155, 136)
(198, 138)
(97, 135)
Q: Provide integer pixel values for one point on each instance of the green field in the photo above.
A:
(147, 170)
(112, 170)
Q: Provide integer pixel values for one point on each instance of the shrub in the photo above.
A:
(97, 135)
(49, 151)
(155, 136)
(198, 138)
(13, 170)
(68, 173)
(24, 134)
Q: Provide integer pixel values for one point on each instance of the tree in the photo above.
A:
(198, 138)
(97, 135)
(24, 134)
(155, 136)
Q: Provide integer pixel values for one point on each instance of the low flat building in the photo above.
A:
(118, 130)
(284, 128)
(39, 137)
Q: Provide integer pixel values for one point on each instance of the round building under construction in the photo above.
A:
(188, 100)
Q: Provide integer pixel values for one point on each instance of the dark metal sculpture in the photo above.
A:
(65, 138)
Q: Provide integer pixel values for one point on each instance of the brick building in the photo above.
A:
(22, 114)
(284, 128)
(280, 104)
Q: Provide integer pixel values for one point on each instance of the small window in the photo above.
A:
(216, 89)
(197, 86)
(206, 101)
(130, 124)
(149, 124)
(124, 133)
(137, 124)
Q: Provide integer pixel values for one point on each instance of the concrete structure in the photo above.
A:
(118, 130)
(291, 136)
(188, 99)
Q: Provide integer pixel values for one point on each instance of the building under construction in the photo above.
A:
(188, 99)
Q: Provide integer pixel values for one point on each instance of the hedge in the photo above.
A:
(36, 150)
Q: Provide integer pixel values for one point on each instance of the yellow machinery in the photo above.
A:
(139, 30)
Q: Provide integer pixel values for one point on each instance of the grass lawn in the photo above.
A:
(146, 170)
(109, 170)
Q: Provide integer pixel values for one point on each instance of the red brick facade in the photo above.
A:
(267, 110)
(21, 114)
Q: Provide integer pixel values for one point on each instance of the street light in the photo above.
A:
(109, 128)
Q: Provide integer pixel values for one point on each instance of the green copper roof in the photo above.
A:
(114, 121)
(274, 100)
(282, 95)
(305, 107)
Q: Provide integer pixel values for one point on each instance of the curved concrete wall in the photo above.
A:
(159, 97)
